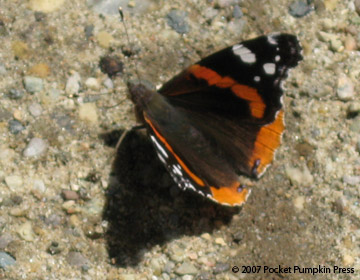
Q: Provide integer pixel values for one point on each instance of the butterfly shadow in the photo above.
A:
(145, 208)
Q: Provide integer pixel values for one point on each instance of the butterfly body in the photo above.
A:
(221, 117)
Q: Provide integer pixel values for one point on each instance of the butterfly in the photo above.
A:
(222, 117)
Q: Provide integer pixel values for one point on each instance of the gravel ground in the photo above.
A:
(72, 207)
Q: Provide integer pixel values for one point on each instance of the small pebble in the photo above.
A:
(20, 49)
(35, 109)
(350, 43)
(336, 45)
(54, 249)
(108, 83)
(36, 147)
(220, 241)
(92, 83)
(33, 84)
(6, 260)
(16, 93)
(355, 125)
(73, 84)
(345, 88)
(39, 186)
(354, 109)
(14, 182)
(330, 4)
(15, 126)
(299, 177)
(76, 259)
(299, 202)
(156, 267)
(186, 268)
(206, 236)
(88, 112)
(41, 70)
(45, 6)
(299, 9)
(177, 20)
(5, 239)
(104, 39)
(352, 180)
(348, 260)
(26, 232)
(69, 195)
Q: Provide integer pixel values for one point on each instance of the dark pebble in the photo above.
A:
(69, 195)
(299, 9)
(89, 31)
(111, 65)
(15, 126)
(221, 267)
(238, 236)
(176, 19)
(6, 260)
(54, 249)
(16, 199)
(16, 93)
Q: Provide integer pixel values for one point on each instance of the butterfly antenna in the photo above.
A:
(128, 39)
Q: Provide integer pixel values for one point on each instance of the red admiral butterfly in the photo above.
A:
(222, 117)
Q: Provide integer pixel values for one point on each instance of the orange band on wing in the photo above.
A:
(230, 194)
(257, 105)
(267, 141)
(195, 178)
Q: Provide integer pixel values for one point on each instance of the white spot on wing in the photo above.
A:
(272, 40)
(161, 158)
(159, 147)
(257, 78)
(269, 68)
(245, 54)
(277, 58)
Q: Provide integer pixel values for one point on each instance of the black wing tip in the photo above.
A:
(290, 48)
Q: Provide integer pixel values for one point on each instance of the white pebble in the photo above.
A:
(73, 83)
(36, 147)
(35, 109)
(345, 88)
(14, 182)
(92, 83)
(87, 112)
(108, 83)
